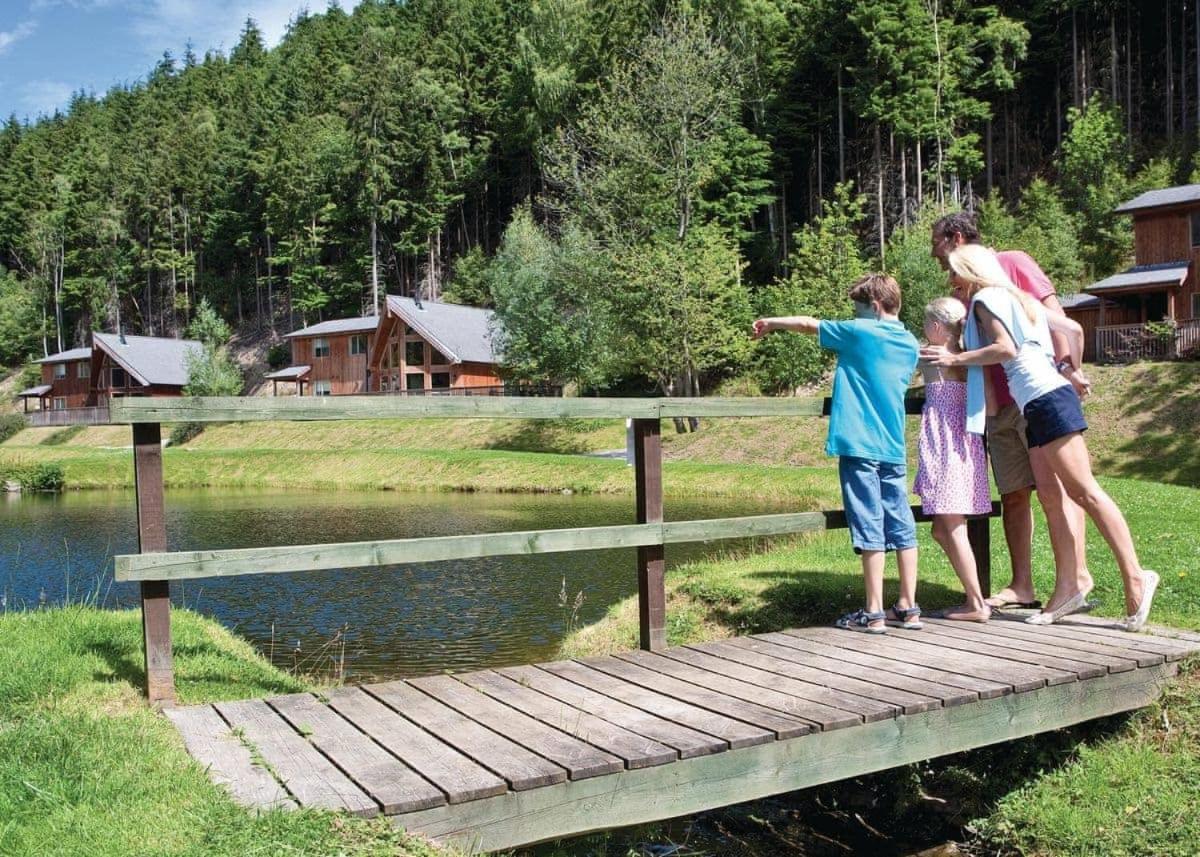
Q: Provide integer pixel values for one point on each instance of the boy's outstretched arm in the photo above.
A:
(793, 323)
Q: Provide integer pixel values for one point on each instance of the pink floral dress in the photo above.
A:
(951, 463)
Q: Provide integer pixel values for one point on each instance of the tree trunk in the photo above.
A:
(374, 261)
(1074, 59)
(1170, 77)
(1112, 53)
(987, 136)
(841, 131)
(270, 283)
(879, 195)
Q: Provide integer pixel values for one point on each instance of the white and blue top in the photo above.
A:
(1030, 373)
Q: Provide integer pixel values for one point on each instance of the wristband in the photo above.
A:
(1063, 365)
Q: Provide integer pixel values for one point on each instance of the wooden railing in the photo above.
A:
(153, 567)
(1125, 343)
(68, 417)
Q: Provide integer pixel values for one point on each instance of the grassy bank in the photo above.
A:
(87, 769)
(1142, 418)
(1127, 788)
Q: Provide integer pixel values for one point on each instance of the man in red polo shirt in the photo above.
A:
(1018, 469)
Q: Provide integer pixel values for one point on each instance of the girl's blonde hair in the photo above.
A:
(949, 312)
(979, 268)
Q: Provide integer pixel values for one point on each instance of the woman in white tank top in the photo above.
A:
(1009, 328)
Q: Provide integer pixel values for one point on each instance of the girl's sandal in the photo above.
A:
(860, 620)
(908, 617)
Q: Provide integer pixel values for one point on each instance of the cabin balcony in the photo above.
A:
(1156, 340)
(49, 417)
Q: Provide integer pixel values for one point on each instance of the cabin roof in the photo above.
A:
(1079, 301)
(1165, 274)
(67, 356)
(290, 373)
(462, 333)
(1178, 195)
(35, 392)
(150, 359)
(362, 324)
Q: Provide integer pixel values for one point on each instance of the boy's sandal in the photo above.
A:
(860, 620)
(908, 617)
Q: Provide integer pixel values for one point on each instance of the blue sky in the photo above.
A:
(51, 48)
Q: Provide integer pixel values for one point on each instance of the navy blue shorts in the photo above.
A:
(1053, 415)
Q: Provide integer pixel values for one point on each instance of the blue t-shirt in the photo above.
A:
(876, 360)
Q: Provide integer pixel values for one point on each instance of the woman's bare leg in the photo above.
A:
(1068, 458)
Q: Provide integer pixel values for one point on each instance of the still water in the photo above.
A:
(376, 623)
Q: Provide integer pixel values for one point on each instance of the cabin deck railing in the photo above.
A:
(68, 417)
(154, 567)
(1165, 340)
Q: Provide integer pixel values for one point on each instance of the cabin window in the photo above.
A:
(320, 347)
(1196, 305)
(84, 370)
(60, 404)
(1196, 228)
(60, 370)
(414, 352)
(440, 380)
(414, 381)
(436, 357)
(358, 344)
(118, 377)
(321, 388)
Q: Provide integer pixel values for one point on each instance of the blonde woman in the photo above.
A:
(1008, 327)
(951, 477)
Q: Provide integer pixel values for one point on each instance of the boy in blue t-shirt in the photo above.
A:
(876, 360)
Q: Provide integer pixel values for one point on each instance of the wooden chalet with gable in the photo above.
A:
(115, 365)
(413, 348)
(1153, 308)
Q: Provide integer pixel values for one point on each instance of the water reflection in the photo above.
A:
(396, 620)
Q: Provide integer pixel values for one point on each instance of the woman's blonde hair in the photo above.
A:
(979, 268)
(949, 312)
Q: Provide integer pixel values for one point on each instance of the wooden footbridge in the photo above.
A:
(494, 759)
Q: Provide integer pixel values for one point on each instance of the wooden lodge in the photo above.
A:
(1153, 308)
(115, 365)
(413, 348)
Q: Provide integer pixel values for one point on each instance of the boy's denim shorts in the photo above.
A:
(875, 495)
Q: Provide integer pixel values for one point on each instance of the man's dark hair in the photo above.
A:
(959, 222)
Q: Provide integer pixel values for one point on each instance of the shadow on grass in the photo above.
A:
(791, 598)
(198, 669)
(1168, 450)
(563, 437)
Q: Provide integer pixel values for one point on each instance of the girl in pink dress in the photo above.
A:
(951, 463)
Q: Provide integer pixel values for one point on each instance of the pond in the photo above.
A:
(386, 622)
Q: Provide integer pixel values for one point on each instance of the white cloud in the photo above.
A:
(45, 96)
(8, 38)
(167, 24)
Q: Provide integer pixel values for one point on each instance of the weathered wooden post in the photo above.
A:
(152, 538)
(979, 534)
(652, 599)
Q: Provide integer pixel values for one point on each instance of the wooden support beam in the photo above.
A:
(152, 538)
(979, 535)
(652, 598)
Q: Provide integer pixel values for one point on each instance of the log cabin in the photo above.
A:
(1152, 309)
(329, 358)
(412, 348)
(115, 365)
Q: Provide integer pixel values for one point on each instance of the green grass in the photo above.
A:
(87, 769)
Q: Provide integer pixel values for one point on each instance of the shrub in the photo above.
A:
(181, 433)
(61, 437)
(278, 355)
(43, 476)
(10, 424)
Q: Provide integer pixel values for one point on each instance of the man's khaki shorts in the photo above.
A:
(1009, 450)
